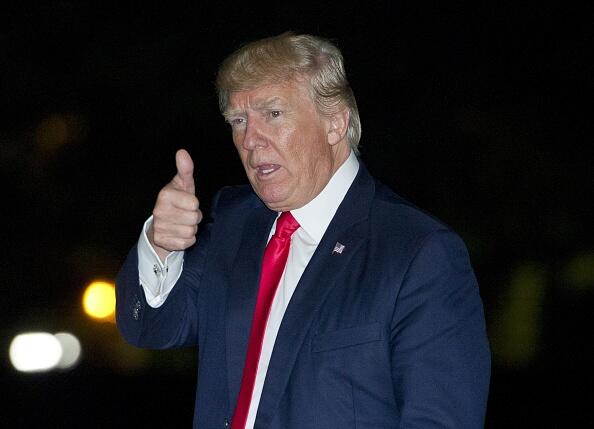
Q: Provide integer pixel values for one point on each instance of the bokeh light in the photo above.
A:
(579, 272)
(99, 300)
(35, 351)
(52, 133)
(71, 350)
(516, 334)
(57, 130)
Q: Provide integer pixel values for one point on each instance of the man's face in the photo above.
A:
(283, 143)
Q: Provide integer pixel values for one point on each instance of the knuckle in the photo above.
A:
(189, 231)
(163, 194)
(194, 217)
(191, 202)
(157, 212)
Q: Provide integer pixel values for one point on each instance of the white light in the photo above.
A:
(70, 350)
(35, 351)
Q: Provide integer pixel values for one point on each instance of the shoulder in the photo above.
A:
(400, 226)
(396, 213)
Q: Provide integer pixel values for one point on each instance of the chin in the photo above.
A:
(276, 196)
(275, 202)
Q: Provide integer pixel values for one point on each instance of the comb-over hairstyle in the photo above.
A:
(286, 57)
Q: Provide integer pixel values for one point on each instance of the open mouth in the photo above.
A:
(266, 170)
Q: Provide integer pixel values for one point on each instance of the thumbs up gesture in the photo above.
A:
(176, 214)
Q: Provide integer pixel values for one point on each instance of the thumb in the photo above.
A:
(185, 171)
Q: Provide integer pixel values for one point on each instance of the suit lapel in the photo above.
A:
(347, 228)
(243, 291)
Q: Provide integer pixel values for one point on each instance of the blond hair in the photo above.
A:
(288, 56)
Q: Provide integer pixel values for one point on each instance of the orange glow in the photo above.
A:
(99, 300)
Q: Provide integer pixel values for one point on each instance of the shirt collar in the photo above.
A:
(315, 216)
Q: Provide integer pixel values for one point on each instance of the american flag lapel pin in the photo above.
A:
(338, 248)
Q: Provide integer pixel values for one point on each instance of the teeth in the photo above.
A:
(270, 170)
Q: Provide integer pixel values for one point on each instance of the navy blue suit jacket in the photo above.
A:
(389, 333)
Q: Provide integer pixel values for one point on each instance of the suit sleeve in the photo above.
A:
(175, 323)
(440, 352)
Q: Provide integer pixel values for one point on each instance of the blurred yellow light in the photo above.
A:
(52, 133)
(516, 333)
(99, 300)
(579, 272)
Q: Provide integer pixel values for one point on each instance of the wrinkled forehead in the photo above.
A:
(269, 95)
(248, 82)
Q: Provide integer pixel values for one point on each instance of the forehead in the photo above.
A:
(270, 95)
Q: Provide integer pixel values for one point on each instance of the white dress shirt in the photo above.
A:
(158, 279)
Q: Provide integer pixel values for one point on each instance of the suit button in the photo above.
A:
(136, 310)
(226, 423)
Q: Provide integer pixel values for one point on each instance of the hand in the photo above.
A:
(176, 214)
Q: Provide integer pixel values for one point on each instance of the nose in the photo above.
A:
(254, 136)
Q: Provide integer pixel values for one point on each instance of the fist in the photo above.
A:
(176, 214)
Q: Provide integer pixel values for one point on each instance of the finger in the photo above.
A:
(169, 231)
(176, 216)
(185, 171)
(169, 196)
(173, 244)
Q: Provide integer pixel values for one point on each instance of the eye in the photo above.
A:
(236, 122)
(275, 113)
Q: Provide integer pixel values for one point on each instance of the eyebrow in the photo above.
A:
(258, 105)
(267, 104)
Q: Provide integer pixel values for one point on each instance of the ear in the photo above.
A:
(338, 124)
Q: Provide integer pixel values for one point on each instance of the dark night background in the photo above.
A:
(478, 113)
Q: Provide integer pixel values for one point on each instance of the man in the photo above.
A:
(317, 297)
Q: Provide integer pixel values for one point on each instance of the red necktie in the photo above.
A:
(273, 265)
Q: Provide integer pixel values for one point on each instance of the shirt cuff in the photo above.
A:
(157, 278)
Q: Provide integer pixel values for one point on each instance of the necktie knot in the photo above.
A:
(286, 225)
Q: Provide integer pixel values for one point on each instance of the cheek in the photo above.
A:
(237, 143)
(310, 153)
(239, 148)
